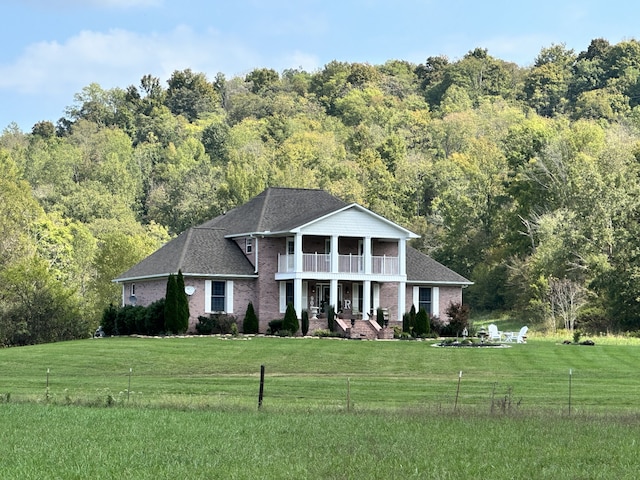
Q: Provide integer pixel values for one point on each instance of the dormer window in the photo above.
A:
(248, 245)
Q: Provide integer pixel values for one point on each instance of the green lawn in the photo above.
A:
(312, 373)
(192, 410)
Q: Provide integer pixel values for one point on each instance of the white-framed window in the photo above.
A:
(424, 299)
(133, 290)
(248, 245)
(427, 298)
(218, 296)
(286, 295)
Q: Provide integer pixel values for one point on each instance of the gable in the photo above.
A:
(355, 221)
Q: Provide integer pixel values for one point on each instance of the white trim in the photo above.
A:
(416, 297)
(305, 296)
(376, 297)
(166, 275)
(207, 296)
(435, 301)
(283, 296)
(228, 296)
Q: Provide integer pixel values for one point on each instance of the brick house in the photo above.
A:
(301, 246)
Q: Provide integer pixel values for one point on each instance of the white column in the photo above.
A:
(297, 296)
(366, 300)
(297, 262)
(334, 260)
(367, 257)
(402, 256)
(333, 294)
(402, 295)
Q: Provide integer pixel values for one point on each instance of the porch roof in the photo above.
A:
(422, 268)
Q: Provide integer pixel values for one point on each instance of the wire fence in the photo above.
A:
(569, 392)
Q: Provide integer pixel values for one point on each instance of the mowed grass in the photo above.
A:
(332, 409)
(324, 373)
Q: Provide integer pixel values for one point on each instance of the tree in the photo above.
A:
(566, 297)
(304, 327)
(290, 322)
(251, 323)
(171, 306)
(422, 323)
(35, 307)
(183, 304)
(191, 94)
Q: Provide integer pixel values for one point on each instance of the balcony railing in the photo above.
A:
(321, 263)
(385, 265)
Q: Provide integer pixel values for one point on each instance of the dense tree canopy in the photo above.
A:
(516, 177)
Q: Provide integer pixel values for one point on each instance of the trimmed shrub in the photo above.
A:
(251, 322)
(290, 322)
(182, 300)
(275, 326)
(305, 322)
(412, 319)
(422, 323)
(216, 323)
(331, 318)
(171, 322)
(109, 316)
(154, 318)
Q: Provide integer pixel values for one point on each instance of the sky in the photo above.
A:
(52, 49)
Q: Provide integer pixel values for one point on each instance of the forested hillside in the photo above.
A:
(525, 180)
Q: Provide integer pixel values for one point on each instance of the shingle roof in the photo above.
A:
(199, 251)
(422, 268)
(277, 210)
(205, 250)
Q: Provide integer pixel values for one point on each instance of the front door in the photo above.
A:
(324, 297)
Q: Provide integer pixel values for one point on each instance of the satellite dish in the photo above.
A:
(133, 300)
(189, 290)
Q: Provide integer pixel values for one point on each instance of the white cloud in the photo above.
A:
(120, 58)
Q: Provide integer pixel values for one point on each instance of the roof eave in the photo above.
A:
(200, 275)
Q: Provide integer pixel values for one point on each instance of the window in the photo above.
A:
(218, 296)
(424, 299)
(286, 295)
(133, 289)
(248, 245)
(289, 293)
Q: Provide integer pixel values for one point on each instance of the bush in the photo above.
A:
(154, 318)
(251, 322)
(130, 320)
(275, 326)
(109, 316)
(305, 322)
(331, 318)
(215, 323)
(290, 322)
(325, 333)
(458, 317)
(422, 323)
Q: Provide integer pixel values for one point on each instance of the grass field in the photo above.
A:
(332, 409)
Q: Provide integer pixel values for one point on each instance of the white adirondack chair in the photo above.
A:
(494, 334)
(522, 335)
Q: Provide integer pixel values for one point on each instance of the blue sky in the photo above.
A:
(51, 49)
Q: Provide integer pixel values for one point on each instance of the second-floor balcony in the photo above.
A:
(321, 263)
